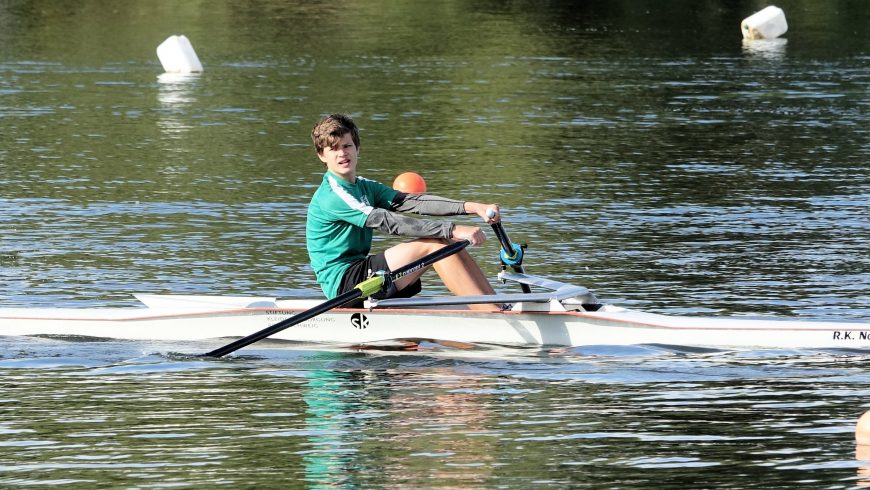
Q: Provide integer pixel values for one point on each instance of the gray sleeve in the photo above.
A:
(427, 204)
(397, 224)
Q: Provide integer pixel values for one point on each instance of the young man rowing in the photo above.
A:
(346, 208)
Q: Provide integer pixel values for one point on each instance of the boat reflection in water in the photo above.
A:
(444, 424)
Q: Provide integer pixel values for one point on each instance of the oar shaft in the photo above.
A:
(506, 244)
(296, 319)
(429, 259)
(367, 287)
(502, 236)
(508, 248)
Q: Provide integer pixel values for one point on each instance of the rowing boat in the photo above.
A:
(560, 315)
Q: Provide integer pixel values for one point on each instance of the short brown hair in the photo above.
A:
(329, 130)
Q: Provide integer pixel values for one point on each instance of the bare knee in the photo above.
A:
(433, 244)
(405, 253)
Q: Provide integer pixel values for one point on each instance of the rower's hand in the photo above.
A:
(489, 212)
(471, 233)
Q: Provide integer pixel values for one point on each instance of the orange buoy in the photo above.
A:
(862, 430)
(410, 182)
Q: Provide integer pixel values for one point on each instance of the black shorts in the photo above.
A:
(361, 270)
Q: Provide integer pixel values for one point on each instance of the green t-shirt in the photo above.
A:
(335, 232)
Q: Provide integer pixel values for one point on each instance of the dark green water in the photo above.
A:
(640, 148)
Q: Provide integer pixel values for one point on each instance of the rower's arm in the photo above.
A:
(397, 224)
(427, 204)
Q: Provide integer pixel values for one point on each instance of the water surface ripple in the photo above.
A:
(585, 417)
(639, 148)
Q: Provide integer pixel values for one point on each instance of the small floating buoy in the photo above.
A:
(768, 23)
(410, 182)
(176, 54)
(862, 430)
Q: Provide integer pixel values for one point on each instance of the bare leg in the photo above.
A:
(460, 272)
(462, 275)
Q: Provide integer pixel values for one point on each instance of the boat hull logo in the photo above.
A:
(358, 320)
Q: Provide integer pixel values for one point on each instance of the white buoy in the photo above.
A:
(176, 54)
(768, 23)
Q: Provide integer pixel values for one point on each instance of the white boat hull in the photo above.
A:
(183, 319)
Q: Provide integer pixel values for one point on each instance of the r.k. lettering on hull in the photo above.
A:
(851, 335)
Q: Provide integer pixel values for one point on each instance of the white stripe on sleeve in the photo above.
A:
(348, 199)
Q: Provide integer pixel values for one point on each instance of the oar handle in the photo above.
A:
(506, 244)
(510, 254)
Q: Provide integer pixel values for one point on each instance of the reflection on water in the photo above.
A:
(765, 49)
(175, 93)
(279, 415)
(400, 419)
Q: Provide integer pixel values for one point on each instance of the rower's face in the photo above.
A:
(341, 158)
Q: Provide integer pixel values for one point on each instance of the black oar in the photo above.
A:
(361, 290)
(511, 254)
